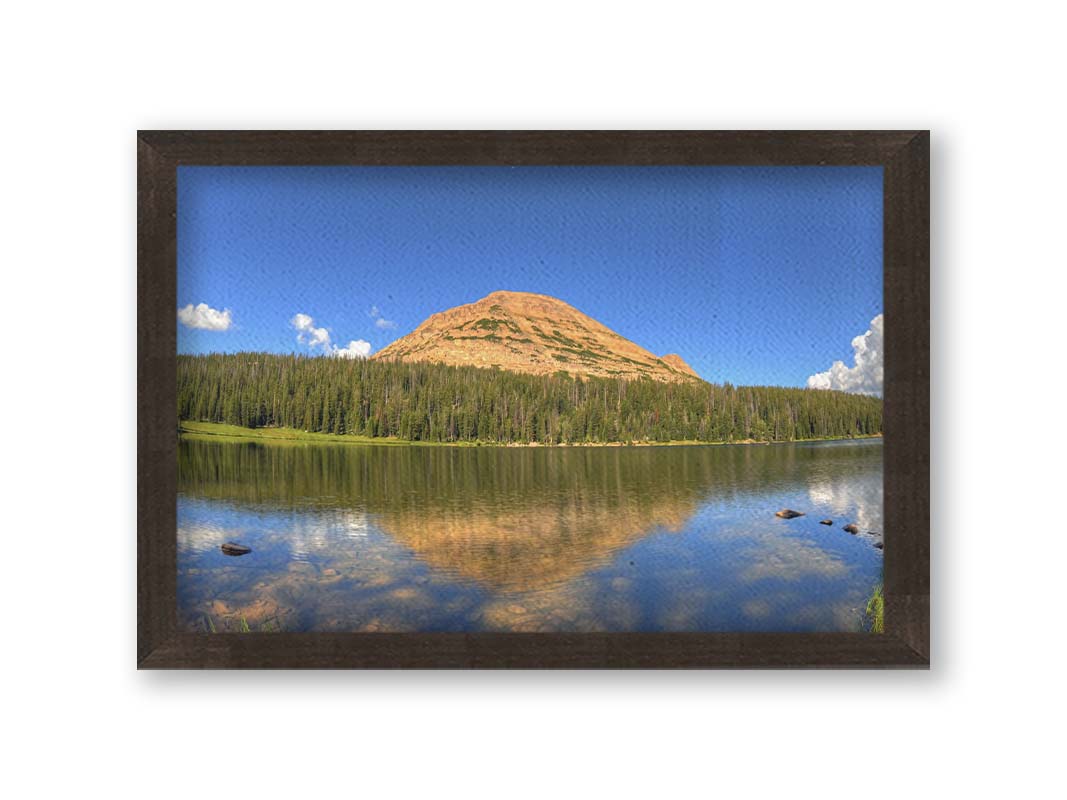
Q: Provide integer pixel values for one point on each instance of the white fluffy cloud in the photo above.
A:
(356, 349)
(307, 333)
(380, 322)
(865, 376)
(205, 317)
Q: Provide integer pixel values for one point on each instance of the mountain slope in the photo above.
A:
(675, 361)
(531, 333)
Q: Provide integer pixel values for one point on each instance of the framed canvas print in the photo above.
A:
(533, 399)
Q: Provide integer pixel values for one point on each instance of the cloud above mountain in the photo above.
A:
(865, 375)
(380, 322)
(307, 333)
(204, 317)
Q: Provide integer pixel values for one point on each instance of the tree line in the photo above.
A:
(439, 403)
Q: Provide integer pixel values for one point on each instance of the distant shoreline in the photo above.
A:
(216, 431)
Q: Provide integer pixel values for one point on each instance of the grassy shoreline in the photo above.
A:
(216, 432)
(875, 611)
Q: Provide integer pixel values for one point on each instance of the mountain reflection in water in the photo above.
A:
(557, 539)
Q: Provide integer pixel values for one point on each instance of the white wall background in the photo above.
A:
(80, 78)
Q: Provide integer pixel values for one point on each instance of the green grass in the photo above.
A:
(492, 324)
(221, 432)
(558, 337)
(489, 337)
(876, 610)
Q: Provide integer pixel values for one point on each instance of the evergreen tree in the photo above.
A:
(434, 402)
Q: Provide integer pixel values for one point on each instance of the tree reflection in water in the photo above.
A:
(441, 538)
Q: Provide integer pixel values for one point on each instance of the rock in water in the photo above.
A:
(879, 545)
(788, 513)
(851, 528)
(826, 522)
(234, 549)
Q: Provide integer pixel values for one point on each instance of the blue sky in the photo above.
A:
(753, 275)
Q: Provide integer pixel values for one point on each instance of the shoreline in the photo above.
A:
(217, 431)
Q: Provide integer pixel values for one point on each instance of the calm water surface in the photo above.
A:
(380, 538)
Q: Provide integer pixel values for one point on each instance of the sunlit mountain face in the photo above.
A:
(532, 333)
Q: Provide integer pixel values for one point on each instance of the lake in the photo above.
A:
(410, 538)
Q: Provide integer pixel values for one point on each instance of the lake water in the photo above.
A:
(395, 538)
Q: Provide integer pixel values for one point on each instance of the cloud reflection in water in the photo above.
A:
(374, 538)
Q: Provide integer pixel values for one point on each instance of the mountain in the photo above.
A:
(531, 333)
(675, 361)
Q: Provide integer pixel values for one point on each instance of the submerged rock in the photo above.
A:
(788, 513)
(879, 545)
(826, 522)
(851, 528)
(234, 549)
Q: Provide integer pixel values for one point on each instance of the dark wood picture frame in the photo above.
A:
(905, 159)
